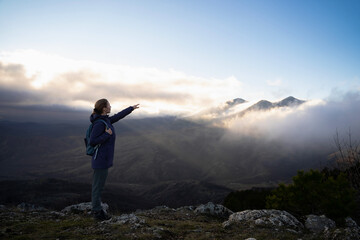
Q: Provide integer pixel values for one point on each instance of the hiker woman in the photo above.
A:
(103, 134)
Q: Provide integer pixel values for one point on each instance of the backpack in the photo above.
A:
(91, 150)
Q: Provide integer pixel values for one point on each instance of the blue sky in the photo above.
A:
(268, 49)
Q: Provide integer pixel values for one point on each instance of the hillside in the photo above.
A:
(57, 194)
(151, 151)
(161, 156)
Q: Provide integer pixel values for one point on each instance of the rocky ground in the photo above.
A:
(208, 221)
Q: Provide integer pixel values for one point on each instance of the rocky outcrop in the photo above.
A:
(131, 219)
(265, 218)
(30, 207)
(214, 209)
(317, 224)
(350, 223)
(352, 230)
(83, 207)
(166, 223)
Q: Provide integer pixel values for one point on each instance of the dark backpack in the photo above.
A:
(91, 150)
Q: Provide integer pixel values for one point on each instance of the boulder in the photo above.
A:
(186, 208)
(213, 209)
(318, 224)
(350, 223)
(83, 207)
(265, 218)
(29, 207)
(352, 230)
(131, 219)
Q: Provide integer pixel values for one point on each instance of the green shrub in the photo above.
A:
(315, 193)
(254, 198)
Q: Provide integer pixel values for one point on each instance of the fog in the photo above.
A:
(301, 136)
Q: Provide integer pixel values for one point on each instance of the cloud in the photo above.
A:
(48, 80)
(313, 121)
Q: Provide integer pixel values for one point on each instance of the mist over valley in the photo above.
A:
(186, 160)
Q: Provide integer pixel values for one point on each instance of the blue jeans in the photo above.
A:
(99, 179)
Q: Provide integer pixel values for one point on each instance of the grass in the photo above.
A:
(168, 225)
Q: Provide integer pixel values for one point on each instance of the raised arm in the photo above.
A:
(123, 113)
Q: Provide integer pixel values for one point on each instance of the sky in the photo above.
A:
(176, 57)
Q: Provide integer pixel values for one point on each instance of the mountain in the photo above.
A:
(158, 158)
(151, 151)
(235, 108)
(264, 105)
(261, 105)
(57, 193)
(222, 110)
(235, 102)
(289, 101)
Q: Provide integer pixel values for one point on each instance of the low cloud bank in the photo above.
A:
(309, 123)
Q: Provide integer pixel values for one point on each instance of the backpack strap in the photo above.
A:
(97, 146)
(103, 122)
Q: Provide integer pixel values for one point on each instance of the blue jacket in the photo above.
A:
(105, 155)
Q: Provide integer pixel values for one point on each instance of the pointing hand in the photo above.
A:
(136, 106)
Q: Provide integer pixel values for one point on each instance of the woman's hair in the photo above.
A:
(100, 105)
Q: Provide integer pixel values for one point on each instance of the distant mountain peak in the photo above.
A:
(261, 105)
(289, 101)
(235, 101)
(266, 105)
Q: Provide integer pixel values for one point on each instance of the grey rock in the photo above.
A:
(250, 239)
(318, 224)
(265, 218)
(83, 208)
(352, 230)
(186, 208)
(29, 207)
(57, 214)
(131, 219)
(213, 209)
(350, 223)
(164, 208)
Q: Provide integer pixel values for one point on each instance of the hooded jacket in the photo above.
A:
(105, 155)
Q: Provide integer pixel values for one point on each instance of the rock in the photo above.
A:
(163, 208)
(350, 223)
(83, 207)
(186, 208)
(212, 209)
(29, 207)
(57, 214)
(266, 218)
(352, 230)
(317, 224)
(250, 239)
(131, 219)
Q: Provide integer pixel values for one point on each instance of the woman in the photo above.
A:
(103, 160)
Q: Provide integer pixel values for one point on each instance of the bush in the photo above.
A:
(254, 198)
(315, 193)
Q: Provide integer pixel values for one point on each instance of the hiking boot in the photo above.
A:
(101, 216)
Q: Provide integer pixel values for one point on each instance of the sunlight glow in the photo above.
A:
(158, 91)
